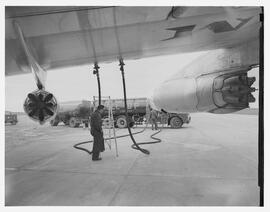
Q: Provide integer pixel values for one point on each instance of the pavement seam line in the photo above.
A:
(134, 175)
(123, 181)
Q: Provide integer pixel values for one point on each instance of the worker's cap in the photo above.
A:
(100, 107)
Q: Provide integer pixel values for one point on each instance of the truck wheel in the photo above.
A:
(54, 122)
(121, 121)
(106, 123)
(176, 122)
(73, 123)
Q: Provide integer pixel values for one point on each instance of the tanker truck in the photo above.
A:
(73, 113)
(76, 113)
(138, 110)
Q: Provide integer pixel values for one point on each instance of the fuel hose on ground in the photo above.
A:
(77, 146)
(157, 140)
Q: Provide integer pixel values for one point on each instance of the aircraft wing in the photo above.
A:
(59, 37)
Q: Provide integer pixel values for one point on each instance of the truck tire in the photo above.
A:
(176, 122)
(54, 122)
(106, 123)
(121, 121)
(73, 123)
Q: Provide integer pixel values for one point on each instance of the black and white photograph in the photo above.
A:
(125, 104)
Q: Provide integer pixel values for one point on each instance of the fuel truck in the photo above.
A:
(75, 113)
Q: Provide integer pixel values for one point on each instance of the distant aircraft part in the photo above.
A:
(40, 105)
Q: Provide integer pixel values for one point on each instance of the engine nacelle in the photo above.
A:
(223, 92)
(40, 106)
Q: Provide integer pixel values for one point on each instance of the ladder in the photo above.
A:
(106, 101)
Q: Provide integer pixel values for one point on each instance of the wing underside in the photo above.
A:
(66, 36)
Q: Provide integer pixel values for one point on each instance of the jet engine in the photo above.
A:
(40, 105)
(221, 92)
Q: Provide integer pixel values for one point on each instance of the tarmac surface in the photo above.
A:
(210, 162)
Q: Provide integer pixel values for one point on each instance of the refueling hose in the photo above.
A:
(96, 72)
(145, 151)
(135, 145)
(76, 146)
(158, 140)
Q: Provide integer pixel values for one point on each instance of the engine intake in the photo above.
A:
(40, 105)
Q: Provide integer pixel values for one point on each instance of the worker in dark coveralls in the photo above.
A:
(97, 133)
(153, 119)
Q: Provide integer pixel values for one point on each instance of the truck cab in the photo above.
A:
(174, 120)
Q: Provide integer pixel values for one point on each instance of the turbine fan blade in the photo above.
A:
(32, 112)
(31, 104)
(41, 115)
(40, 96)
(48, 97)
(49, 104)
(32, 97)
(48, 111)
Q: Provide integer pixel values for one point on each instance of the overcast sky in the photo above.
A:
(78, 83)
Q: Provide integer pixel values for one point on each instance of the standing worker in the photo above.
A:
(163, 118)
(97, 133)
(153, 118)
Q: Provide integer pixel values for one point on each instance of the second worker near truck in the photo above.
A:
(153, 119)
(97, 133)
